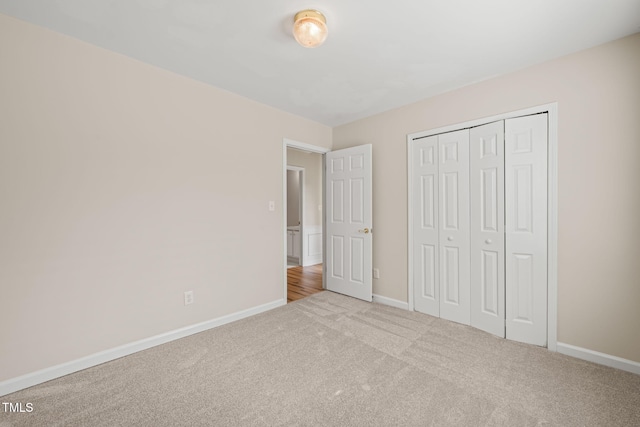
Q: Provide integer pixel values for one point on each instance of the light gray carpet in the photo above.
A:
(331, 360)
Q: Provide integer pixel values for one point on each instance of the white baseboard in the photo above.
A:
(47, 374)
(599, 358)
(391, 302)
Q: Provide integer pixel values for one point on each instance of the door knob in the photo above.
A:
(450, 238)
(365, 231)
(488, 241)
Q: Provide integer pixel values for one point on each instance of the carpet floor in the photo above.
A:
(331, 360)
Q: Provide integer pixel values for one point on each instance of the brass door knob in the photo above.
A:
(365, 231)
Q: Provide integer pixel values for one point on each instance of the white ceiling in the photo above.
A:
(379, 54)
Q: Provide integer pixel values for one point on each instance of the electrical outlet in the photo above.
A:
(272, 206)
(188, 297)
(376, 273)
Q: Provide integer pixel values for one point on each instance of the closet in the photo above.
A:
(478, 203)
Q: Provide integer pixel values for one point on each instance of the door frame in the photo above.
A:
(290, 143)
(552, 205)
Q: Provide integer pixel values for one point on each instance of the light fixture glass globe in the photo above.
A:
(310, 28)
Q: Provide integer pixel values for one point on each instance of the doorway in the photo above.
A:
(344, 235)
(303, 217)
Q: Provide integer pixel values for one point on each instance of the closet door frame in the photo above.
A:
(552, 205)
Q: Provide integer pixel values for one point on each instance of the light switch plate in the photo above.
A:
(188, 297)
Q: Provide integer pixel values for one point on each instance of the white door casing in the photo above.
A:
(425, 226)
(454, 245)
(348, 204)
(486, 164)
(526, 228)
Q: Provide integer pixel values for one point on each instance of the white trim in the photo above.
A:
(47, 374)
(599, 358)
(390, 302)
(305, 147)
(552, 229)
(311, 259)
(284, 218)
(410, 303)
(483, 121)
(324, 222)
(552, 219)
(303, 226)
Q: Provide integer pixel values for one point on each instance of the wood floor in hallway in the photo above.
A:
(303, 281)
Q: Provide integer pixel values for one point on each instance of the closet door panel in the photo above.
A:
(486, 166)
(425, 226)
(453, 170)
(526, 228)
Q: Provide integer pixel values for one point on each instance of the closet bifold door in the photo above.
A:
(454, 239)
(426, 291)
(526, 228)
(486, 166)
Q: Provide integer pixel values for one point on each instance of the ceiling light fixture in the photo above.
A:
(310, 28)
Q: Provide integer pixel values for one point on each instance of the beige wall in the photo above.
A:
(598, 96)
(122, 186)
(312, 164)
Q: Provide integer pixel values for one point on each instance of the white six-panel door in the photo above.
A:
(453, 150)
(441, 225)
(425, 226)
(486, 149)
(349, 241)
(526, 228)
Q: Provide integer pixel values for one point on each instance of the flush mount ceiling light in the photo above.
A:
(310, 28)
